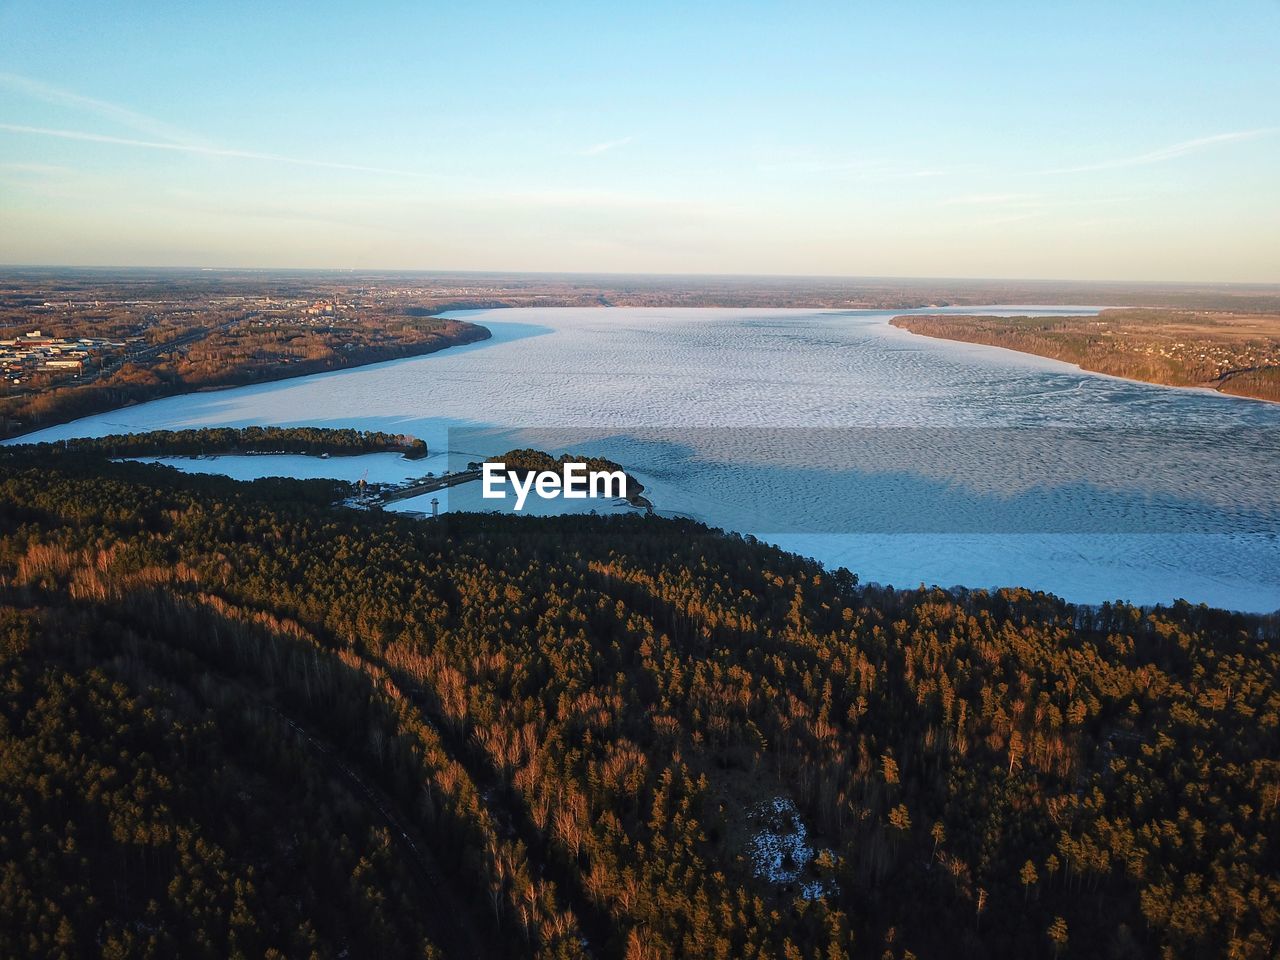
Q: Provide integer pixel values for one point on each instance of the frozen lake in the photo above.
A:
(831, 433)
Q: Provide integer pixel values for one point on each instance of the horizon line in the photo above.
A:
(189, 268)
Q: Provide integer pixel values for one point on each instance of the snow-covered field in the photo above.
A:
(831, 433)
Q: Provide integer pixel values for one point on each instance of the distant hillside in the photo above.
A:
(240, 722)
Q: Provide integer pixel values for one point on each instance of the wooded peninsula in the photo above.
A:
(1235, 353)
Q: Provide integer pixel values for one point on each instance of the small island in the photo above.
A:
(1234, 353)
(526, 460)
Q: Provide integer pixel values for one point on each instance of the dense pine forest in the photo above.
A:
(239, 721)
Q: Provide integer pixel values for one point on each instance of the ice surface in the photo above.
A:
(1192, 528)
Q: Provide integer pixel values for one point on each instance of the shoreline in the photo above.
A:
(472, 392)
(1196, 388)
(482, 333)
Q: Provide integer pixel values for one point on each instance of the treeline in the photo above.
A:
(312, 441)
(514, 736)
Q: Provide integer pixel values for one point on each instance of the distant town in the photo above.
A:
(34, 353)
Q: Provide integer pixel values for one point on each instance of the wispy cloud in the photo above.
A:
(990, 199)
(132, 119)
(42, 169)
(808, 163)
(1000, 221)
(598, 148)
(197, 149)
(1167, 153)
(161, 136)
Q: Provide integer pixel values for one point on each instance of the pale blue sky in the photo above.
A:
(1076, 140)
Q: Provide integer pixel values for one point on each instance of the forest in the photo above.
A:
(241, 722)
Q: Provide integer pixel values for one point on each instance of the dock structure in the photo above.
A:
(430, 485)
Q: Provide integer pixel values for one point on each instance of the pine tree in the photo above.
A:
(1057, 934)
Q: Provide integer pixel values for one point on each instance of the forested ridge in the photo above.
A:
(238, 721)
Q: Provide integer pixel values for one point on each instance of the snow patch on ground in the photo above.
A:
(780, 850)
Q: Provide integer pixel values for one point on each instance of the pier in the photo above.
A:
(430, 485)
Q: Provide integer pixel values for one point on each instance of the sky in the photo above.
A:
(1105, 141)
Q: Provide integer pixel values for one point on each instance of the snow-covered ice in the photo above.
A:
(1177, 504)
